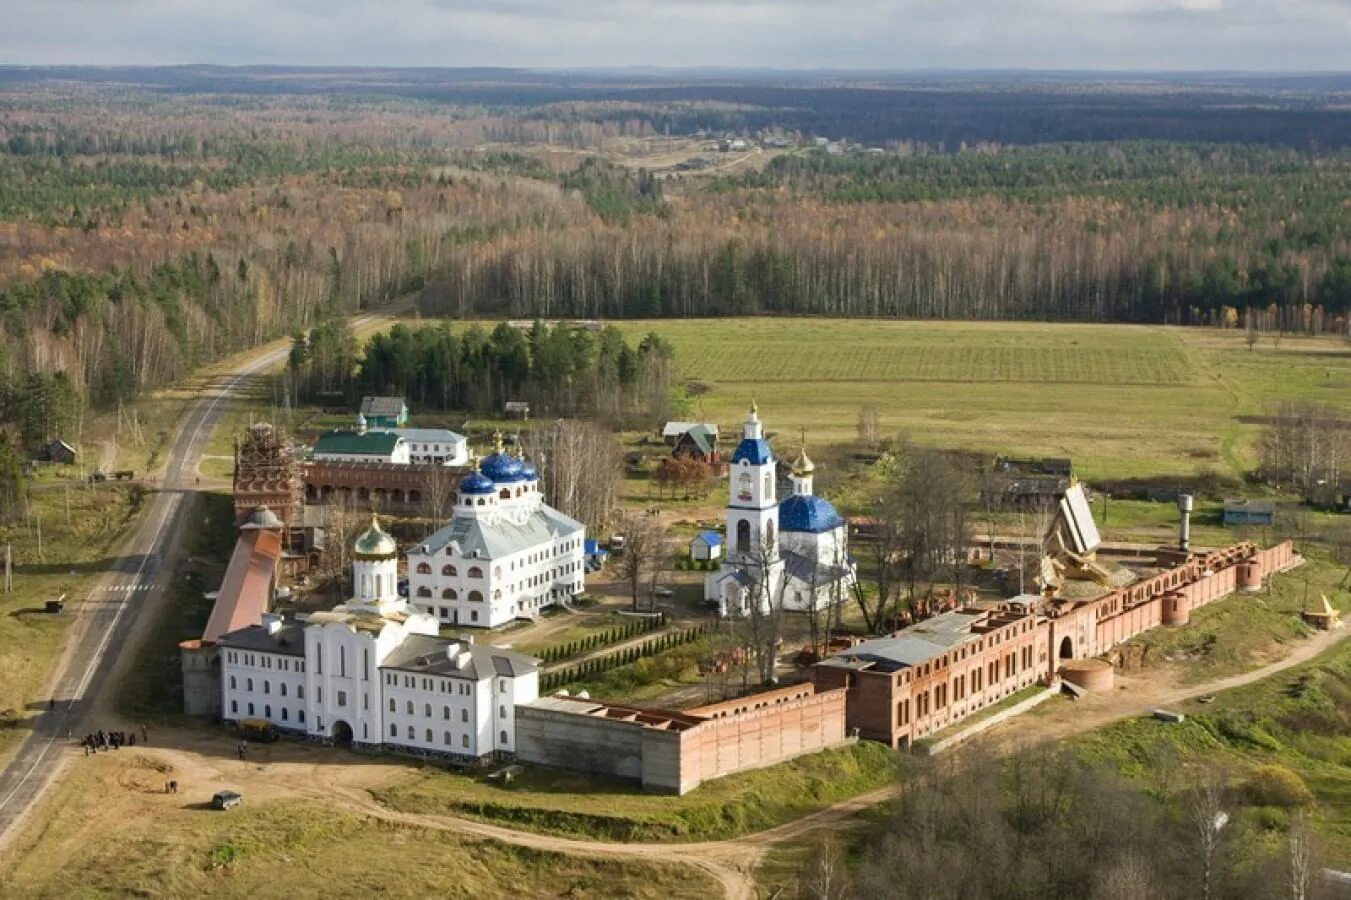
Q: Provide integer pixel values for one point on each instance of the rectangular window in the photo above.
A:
(342, 698)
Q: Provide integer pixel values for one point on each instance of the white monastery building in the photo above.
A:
(792, 553)
(434, 446)
(373, 673)
(505, 555)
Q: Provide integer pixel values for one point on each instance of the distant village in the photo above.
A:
(413, 658)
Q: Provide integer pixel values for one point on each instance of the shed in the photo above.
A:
(698, 443)
(1249, 512)
(671, 432)
(706, 546)
(384, 412)
(57, 451)
(516, 409)
(594, 553)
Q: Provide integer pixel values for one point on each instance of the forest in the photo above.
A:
(155, 221)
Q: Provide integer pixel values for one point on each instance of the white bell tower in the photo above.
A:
(752, 501)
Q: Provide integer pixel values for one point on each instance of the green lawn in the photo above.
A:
(582, 806)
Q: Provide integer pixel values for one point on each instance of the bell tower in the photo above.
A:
(752, 502)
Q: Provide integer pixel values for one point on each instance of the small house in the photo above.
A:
(384, 412)
(698, 443)
(57, 451)
(672, 432)
(706, 546)
(594, 554)
(516, 409)
(1249, 512)
(361, 446)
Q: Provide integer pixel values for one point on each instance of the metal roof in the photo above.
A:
(383, 406)
(711, 538)
(754, 451)
(429, 435)
(676, 429)
(289, 640)
(802, 512)
(917, 644)
(368, 443)
(246, 589)
(431, 656)
(1238, 504)
(498, 536)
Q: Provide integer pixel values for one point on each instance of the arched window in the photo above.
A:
(464, 715)
(505, 493)
(424, 569)
(445, 713)
(232, 683)
(391, 705)
(769, 486)
(449, 594)
(427, 711)
(475, 597)
(410, 707)
(475, 572)
(480, 501)
(283, 689)
(410, 732)
(424, 591)
(445, 738)
(447, 570)
(429, 735)
(503, 737)
(743, 535)
(393, 730)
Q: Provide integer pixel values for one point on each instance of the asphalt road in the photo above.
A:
(105, 617)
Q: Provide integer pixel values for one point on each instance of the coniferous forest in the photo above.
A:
(154, 221)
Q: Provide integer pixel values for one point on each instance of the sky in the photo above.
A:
(1255, 35)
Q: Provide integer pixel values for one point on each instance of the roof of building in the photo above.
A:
(1239, 504)
(262, 517)
(809, 571)
(476, 483)
(657, 719)
(288, 640)
(676, 429)
(804, 512)
(704, 440)
(915, 645)
(492, 538)
(711, 538)
(375, 542)
(429, 435)
(246, 589)
(433, 656)
(754, 451)
(592, 547)
(368, 443)
(516, 406)
(502, 467)
(803, 465)
(1078, 518)
(383, 406)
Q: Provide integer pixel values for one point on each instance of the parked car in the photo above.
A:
(226, 800)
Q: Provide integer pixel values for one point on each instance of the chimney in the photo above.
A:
(1184, 529)
(272, 622)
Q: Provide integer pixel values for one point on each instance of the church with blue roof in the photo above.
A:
(791, 553)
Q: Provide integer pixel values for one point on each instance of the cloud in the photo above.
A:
(1100, 34)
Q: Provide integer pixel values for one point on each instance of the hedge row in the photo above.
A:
(552, 681)
(632, 628)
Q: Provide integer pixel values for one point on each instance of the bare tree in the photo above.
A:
(438, 489)
(644, 549)
(1250, 331)
(869, 424)
(763, 612)
(825, 876)
(1301, 850)
(579, 465)
(1208, 817)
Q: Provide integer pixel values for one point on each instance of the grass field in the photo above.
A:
(80, 528)
(1123, 401)
(1244, 631)
(1300, 719)
(575, 805)
(173, 849)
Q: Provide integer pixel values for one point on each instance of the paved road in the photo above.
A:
(105, 618)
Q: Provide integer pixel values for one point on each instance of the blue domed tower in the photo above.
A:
(752, 570)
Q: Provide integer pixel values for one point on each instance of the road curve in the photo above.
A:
(104, 619)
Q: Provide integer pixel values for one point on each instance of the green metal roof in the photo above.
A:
(373, 443)
(702, 438)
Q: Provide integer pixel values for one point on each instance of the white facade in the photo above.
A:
(505, 555)
(435, 446)
(792, 552)
(373, 672)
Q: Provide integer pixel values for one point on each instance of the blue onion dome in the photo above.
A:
(476, 483)
(802, 512)
(501, 466)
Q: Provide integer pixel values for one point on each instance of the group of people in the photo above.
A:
(112, 740)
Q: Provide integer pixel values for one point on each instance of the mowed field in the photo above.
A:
(1123, 401)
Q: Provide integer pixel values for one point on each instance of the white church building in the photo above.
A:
(505, 555)
(373, 673)
(792, 552)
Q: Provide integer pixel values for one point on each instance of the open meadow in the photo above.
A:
(1124, 401)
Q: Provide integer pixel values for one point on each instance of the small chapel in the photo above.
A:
(792, 554)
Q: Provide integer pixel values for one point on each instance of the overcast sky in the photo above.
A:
(1269, 35)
